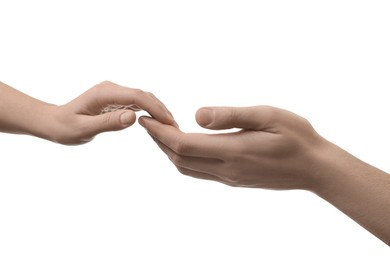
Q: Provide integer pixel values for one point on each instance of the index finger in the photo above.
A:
(188, 144)
(113, 94)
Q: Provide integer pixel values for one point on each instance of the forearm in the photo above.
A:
(22, 114)
(359, 190)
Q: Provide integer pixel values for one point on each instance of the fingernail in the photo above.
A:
(127, 118)
(205, 116)
(142, 120)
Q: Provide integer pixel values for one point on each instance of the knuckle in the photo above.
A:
(183, 171)
(181, 147)
(270, 112)
(233, 116)
(104, 84)
(306, 123)
(152, 96)
(233, 185)
(268, 109)
(233, 178)
(176, 159)
(147, 93)
(138, 92)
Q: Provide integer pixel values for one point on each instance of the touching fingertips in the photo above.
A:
(143, 120)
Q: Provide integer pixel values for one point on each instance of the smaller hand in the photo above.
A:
(274, 149)
(104, 107)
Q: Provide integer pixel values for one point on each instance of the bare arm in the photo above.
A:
(358, 189)
(277, 149)
(80, 120)
(20, 113)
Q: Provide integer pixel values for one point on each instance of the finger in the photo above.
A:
(108, 93)
(200, 175)
(195, 145)
(251, 118)
(209, 166)
(112, 121)
(190, 169)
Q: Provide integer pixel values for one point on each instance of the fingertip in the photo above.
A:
(127, 118)
(205, 116)
(143, 120)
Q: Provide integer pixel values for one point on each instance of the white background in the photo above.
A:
(119, 197)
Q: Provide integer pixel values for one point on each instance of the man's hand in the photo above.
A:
(277, 149)
(274, 148)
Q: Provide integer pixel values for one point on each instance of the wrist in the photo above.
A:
(44, 122)
(335, 168)
(356, 188)
(324, 164)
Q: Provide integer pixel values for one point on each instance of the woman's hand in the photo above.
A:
(94, 112)
(80, 120)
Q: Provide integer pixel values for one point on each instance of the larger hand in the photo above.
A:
(279, 150)
(274, 149)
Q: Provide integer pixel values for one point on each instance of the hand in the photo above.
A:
(274, 149)
(82, 119)
(277, 149)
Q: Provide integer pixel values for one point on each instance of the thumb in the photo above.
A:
(252, 118)
(112, 121)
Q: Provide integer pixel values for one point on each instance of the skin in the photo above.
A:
(80, 120)
(277, 149)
